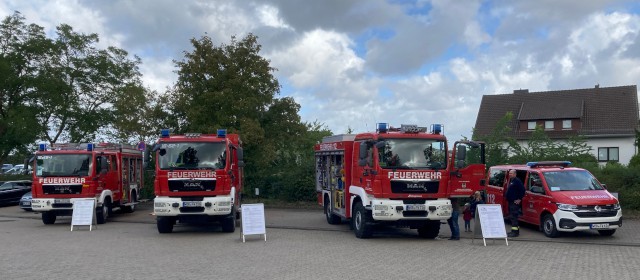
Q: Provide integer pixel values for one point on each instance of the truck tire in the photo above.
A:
(102, 213)
(606, 232)
(229, 223)
(165, 224)
(332, 219)
(429, 230)
(362, 221)
(131, 208)
(48, 218)
(549, 226)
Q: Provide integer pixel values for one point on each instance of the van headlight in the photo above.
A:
(616, 206)
(567, 207)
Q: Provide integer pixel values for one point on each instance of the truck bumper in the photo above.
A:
(55, 204)
(396, 210)
(569, 222)
(175, 206)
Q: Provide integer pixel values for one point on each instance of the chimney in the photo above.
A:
(598, 86)
(520, 91)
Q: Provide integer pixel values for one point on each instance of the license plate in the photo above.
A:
(599, 226)
(62, 200)
(415, 207)
(26, 203)
(191, 203)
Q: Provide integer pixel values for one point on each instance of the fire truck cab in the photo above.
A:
(199, 178)
(110, 173)
(558, 198)
(404, 176)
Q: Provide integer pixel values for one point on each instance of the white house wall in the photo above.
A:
(625, 146)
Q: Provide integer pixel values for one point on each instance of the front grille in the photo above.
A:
(596, 214)
(191, 209)
(414, 201)
(192, 198)
(62, 189)
(192, 185)
(593, 207)
(414, 187)
(414, 213)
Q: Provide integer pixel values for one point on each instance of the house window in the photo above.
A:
(531, 125)
(548, 125)
(566, 124)
(608, 154)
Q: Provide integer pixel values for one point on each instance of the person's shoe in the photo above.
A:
(513, 234)
(454, 238)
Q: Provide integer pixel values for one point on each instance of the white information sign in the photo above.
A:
(83, 213)
(253, 220)
(491, 221)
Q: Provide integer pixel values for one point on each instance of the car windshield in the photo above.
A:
(571, 180)
(59, 165)
(192, 155)
(412, 154)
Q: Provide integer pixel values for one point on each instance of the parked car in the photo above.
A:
(17, 169)
(5, 167)
(12, 191)
(25, 202)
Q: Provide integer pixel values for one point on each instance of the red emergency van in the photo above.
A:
(558, 198)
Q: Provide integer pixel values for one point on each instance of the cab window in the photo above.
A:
(496, 178)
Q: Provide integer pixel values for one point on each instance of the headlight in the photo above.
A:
(567, 207)
(224, 203)
(616, 206)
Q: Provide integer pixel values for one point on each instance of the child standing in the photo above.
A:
(466, 215)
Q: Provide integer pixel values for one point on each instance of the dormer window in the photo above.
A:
(548, 125)
(566, 124)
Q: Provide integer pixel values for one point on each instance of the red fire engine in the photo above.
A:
(110, 173)
(401, 176)
(198, 179)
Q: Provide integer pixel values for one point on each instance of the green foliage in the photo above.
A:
(623, 180)
(232, 86)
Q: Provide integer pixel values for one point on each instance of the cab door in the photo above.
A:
(533, 199)
(496, 187)
(467, 169)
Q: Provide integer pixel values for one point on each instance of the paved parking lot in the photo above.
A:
(300, 245)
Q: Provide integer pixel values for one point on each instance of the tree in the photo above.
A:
(22, 47)
(79, 85)
(233, 87)
(497, 141)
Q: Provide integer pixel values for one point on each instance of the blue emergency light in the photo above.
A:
(90, 147)
(164, 133)
(533, 164)
(436, 128)
(42, 147)
(383, 127)
(222, 133)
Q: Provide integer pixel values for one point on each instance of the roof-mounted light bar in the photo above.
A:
(192, 135)
(436, 128)
(412, 128)
(164, 133)
(534, 164)
(383, 127)
(222, 133)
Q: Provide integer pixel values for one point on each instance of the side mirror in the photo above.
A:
(604, 186)
(240, 163)
(363, 151)
(25, 171)
(461, 152)
(362, 162)
(162, 152)
(380, 144)
(240, 154)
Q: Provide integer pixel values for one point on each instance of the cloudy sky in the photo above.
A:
(354, 63)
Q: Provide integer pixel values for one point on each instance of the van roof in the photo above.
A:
(554, 165)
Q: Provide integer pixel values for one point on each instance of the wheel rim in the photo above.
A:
(105, 211)
(548, 225)
(358, 220)
(326, 210)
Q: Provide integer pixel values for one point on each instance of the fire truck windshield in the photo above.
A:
(60, 165)
(571, 180)
(192, 155)
(412, 154)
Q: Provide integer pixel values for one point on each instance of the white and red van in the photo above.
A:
(558, 197)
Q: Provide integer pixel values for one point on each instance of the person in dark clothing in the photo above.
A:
(453, 221)
(475, 200)
(514, 195)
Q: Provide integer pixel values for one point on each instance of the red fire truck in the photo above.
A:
(402, 176)
(111, 173)
(198, 179)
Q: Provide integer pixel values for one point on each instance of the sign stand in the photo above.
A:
(84, 213)
(253, 220)
(489, 222)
